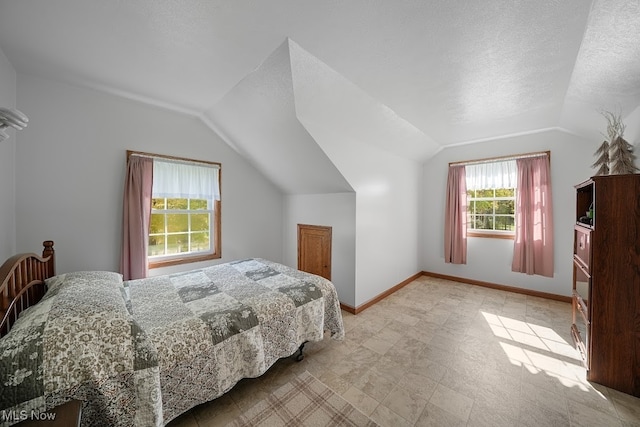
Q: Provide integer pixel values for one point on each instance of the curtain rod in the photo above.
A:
(503, 158)
(173, 159)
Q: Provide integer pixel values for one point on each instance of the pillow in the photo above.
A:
(82, 278)
(86, 279)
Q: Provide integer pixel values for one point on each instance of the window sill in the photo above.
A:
(185, 260)
(491, 235)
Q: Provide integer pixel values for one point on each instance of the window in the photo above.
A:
(180, 226)
(491, 198)
(185, 212)
(482, 198)
(491, 210)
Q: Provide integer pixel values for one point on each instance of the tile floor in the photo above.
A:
(441, 353)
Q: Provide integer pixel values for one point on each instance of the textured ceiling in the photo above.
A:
(421, 75)
(606, 75)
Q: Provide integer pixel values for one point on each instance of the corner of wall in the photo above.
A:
(8, 97)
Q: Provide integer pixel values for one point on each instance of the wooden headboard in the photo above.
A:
(22, 283)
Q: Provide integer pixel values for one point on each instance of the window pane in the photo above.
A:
(200, 241)
(156, 245)
(484, 193)
(157, 224)
(505, 223)
(505, 192)
(177, 203)
(504, 206)
(157, 203)
(177, 243)
(484, 207)
(177, 223)
(200, 222)
(198, 204)
(484, 222)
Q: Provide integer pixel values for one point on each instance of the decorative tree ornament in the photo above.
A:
(615, 156)
(603, 159)
(622, 157)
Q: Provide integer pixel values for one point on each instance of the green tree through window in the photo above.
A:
(180, 226)
(491, 209)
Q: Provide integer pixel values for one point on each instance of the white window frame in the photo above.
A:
(166, 233)
(483, 232)
(491, 174)
(214, 207)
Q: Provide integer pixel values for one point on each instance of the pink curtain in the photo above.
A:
(533, 244)
(136, 216)
(455, 220)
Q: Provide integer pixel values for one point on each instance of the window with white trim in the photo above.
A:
(491, 198)
(185, 212)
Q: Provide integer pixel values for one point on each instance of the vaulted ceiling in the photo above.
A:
(407, 76)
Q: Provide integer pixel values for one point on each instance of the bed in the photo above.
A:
(141, 352)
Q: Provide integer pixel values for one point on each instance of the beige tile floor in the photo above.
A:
(441, 353)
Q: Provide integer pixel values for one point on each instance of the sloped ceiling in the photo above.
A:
(412, 77)
(260, 112)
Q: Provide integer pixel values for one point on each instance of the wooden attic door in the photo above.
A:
(314, 249)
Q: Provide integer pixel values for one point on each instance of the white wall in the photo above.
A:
(490, 259)
(337, 211)
(387, 235)
(7, 161)
(387, 193)
(70, 167)
(632, 131)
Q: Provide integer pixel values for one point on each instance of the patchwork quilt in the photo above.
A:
(141, 352)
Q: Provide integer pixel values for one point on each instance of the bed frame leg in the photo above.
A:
(298, 355)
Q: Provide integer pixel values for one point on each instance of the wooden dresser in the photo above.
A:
(606, 280)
